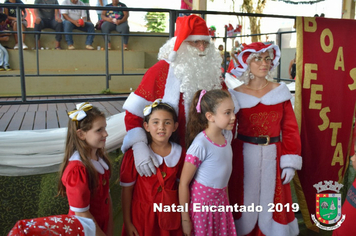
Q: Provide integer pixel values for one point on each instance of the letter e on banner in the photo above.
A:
(314, 97)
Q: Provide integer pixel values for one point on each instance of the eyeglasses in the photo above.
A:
(259, 60)
(198, 43)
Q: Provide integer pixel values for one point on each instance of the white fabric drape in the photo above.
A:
(31, 152)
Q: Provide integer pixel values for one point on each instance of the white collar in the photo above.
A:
(273, 97)
(99, 165)
(172, 158)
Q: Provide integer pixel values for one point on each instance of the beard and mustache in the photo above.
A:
(195, 69)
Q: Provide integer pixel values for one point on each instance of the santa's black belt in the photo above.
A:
(261, 140)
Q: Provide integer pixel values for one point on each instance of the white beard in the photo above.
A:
(197, 70)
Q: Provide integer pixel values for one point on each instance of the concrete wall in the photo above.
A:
(141, 55)
(138, 43)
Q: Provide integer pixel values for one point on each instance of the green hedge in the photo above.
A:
(26, 197)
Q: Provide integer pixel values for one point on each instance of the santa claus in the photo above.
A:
(187, 62)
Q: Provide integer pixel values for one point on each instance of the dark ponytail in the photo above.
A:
(197, 122)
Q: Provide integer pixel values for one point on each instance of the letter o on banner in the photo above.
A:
(326, 33)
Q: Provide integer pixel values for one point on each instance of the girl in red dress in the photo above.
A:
(142, 195)
(85, 171)
(85, 174)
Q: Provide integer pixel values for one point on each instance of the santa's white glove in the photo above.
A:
(145, 160)
(287, 174)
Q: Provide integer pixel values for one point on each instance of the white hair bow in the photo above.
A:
(79, 114)
(148, 109)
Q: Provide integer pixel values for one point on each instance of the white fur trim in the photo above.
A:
(171, 90)
(293, 161)
(278, 229)
(172, 56)
(268, 187)
(231, 82)
(237, 71)
(275, 96)
(133, 136)
(259, 185)
(135, 104)
(198, 37)
(251, 50)
(88, 225)
(236, 103)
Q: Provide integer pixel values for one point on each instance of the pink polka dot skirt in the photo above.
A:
(206, 212)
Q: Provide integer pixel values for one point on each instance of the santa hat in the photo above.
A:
(189, 28)
(259, 48)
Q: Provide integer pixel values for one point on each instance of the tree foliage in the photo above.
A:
(156, 21)
(253, 6)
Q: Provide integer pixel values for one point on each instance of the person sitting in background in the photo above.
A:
(116, 20)
(12, 20)
(86, 3)
(4, 55)
(77, 19)
(48, 18)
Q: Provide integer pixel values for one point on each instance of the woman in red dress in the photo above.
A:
(266, 147)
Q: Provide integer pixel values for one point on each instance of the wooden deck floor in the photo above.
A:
(47, 116)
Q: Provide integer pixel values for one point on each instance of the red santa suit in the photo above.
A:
(161, 82)
(158, 82)
(256, 176)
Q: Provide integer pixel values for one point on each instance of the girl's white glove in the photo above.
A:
(145, 160)
(287, 174)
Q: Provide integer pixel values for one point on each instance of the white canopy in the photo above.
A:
(31, 152)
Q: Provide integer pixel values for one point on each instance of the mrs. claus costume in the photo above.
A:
(257, 169)
(160, 81)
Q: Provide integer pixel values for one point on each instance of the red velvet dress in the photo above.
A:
(147, 191)
(256, 176)
(79, 196)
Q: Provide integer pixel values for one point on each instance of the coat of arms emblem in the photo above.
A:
(328, 206)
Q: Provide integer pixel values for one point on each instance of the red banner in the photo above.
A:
(325, 103)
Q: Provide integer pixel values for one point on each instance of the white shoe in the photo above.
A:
(24, 46)
(16, 46)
